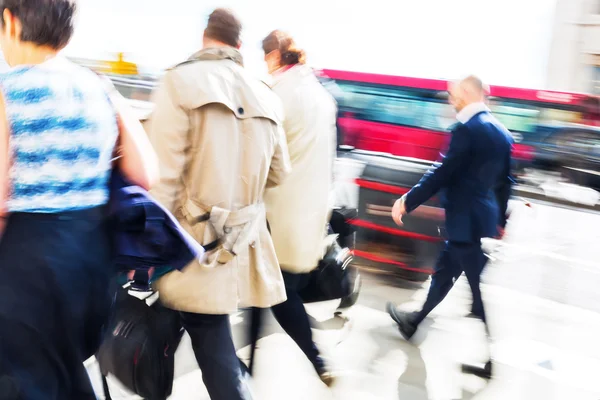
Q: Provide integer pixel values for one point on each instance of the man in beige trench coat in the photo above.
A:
(218, 135)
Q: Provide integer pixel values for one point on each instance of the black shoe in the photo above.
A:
(485, 372)
(406, 326)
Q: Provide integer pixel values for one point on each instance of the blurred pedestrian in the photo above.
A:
(475, 179)
(220, 141)
(58, 132)
(298, 210)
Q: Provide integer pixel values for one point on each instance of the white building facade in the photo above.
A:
(574, 61)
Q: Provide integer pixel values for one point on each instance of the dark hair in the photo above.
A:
(224, 26)
(45, 22)
(290, 54)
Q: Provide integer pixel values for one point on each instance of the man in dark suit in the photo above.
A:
(474, 178)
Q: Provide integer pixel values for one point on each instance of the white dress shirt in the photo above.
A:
(470, 111)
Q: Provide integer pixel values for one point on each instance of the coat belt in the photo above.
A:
(223, 221)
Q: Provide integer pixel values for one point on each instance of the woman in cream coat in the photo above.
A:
(298, 210)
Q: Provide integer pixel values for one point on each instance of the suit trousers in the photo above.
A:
(214, 350)
(456, 258)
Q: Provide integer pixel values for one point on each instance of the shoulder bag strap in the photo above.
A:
(105, 388)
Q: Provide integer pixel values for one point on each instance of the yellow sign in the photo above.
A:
(122, 67)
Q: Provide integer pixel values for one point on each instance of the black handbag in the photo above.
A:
(139, 347)
(333, 279)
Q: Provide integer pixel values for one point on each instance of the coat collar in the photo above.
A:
(218, 53)
(470, 111)
(297, 72)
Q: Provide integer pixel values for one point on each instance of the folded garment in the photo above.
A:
(145, 234)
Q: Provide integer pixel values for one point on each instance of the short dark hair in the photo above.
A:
(45, 22)
(224, 26)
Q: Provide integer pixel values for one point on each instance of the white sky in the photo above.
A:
(506, 42)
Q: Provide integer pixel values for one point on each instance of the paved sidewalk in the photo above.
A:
(543, 303)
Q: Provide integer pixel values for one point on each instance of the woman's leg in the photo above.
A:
(293, 318)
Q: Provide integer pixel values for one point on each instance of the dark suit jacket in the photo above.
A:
(474, 178)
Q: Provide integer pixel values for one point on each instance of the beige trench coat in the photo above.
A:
(299, 209)
(218, 135)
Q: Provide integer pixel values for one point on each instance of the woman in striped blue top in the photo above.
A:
(58, 131)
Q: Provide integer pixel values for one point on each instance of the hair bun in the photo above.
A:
(292, 56)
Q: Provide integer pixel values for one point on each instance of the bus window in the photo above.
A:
(396, 106)
(437, 115)
(516, 118)
(550, 115)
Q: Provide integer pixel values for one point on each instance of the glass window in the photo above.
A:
(522, 117)
(550, 115)
(515, 117)
(595, 87)
(395, 106)
(426, 109)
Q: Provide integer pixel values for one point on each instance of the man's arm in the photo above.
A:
(168, 130)
(281, 166)
(504, 190)
(454, 162)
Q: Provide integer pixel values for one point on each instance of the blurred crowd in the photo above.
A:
(221, 202)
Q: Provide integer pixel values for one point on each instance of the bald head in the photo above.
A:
(467, 91)
(476, 86)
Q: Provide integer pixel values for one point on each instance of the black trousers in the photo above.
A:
(292, 317)
(455, 259)
(214, 350)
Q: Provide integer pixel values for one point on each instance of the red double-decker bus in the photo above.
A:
(409, 117)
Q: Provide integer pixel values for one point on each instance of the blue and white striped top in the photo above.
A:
(63, 131)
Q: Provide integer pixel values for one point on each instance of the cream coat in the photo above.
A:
(299, 209)
(219, 138)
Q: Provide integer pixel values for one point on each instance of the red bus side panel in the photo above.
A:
(397, 140)
(542, 96)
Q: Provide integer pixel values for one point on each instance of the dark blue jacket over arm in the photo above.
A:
(145, 234)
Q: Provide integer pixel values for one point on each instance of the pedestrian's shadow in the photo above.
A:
(412, 384)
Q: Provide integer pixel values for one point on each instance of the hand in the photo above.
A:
(131, 273)
(399, 210)
(501, 232)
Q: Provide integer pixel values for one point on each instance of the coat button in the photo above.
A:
(241, 111)
(227, 229)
